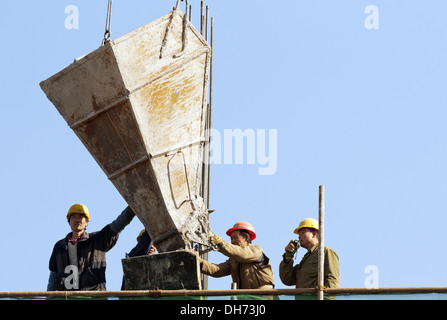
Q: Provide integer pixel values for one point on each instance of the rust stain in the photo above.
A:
(170, 96)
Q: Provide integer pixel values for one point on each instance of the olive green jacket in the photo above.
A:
(249, 266)
(305, 274)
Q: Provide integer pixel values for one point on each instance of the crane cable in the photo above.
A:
(107, 32)
(108, 23)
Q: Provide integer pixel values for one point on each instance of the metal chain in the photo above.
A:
(108, 23)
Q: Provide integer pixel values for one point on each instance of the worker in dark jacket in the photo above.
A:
(144, 247)
(78, 261)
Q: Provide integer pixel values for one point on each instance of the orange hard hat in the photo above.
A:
(242, 225)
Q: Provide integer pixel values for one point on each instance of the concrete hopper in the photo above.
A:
(139, 105)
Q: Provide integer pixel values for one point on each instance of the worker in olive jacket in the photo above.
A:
(305, 274)
(78, 261)
(248, 266)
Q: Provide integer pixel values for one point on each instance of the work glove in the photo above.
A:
(291, 249)
(216, 240)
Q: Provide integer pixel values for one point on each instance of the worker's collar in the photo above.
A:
(74, 241)
(315, 247)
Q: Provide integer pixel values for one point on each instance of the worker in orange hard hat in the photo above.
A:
(78, 261)
(248, 266)
(305, 274)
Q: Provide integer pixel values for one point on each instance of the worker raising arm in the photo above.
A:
(78, 261)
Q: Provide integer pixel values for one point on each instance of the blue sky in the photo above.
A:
(361, 111)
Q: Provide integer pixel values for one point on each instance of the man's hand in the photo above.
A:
(290, 250)
(216, 240)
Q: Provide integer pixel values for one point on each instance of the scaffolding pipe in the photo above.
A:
(186, 293)
(321, 249)
(202, 18)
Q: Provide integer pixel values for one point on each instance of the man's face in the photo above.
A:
(78, 222)
(238, 239)
(306, 237)
(152, 250)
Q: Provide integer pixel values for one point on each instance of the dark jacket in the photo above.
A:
(141, 249)
(92, 250)
(91, 253)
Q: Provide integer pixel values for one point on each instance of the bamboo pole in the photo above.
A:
(186, 293)
(155, 293)
(321, 249)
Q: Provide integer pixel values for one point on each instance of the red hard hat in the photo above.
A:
(242, 225)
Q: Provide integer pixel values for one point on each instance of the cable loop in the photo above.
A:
(107, 32)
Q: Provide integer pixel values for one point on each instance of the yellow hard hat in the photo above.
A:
(307, 223)
(140, 235)
(78, 208)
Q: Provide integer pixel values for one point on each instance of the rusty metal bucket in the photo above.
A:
(139, 105)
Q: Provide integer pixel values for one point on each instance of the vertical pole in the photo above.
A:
(206, 23)
(201, 18)
(233, 287)
(210, 112)
(206, 166)
(321, 249)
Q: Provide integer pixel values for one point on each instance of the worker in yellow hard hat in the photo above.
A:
(305, 274)
(248, 266)
(78, 261)
(144, 247)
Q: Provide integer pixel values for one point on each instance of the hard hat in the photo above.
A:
(78, 208)
(307, 223)
(140, 235)
(242, 225)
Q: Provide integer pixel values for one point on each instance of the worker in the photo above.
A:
(144, 247)
(305, 274)
(248, 265)
(78, 261)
